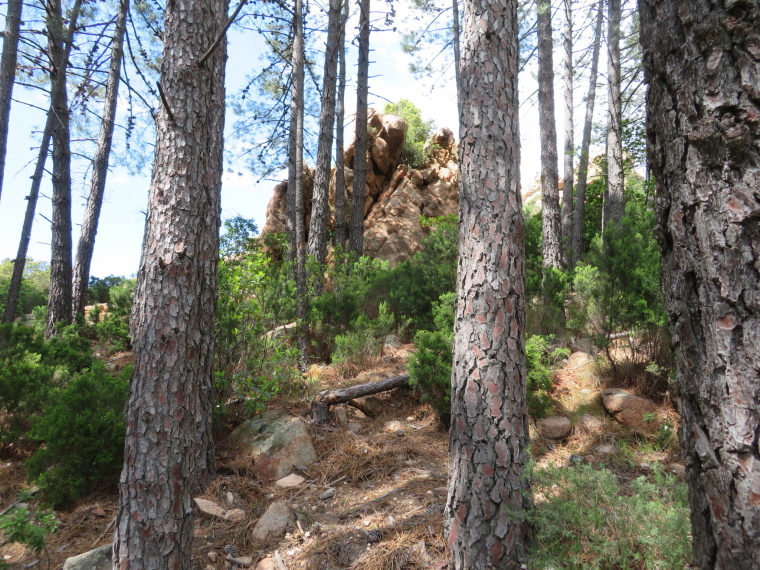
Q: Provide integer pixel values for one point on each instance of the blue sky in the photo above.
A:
(117, 249)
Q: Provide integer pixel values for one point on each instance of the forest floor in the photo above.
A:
(389, 474)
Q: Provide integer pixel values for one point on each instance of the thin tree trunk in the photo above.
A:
(489, 495)
(99, 167)
(700, 60)
(14, 289)
(580, 190)
(567, 188)
(340, 173)
(614, 205)
(59, 45)
(295, 178)
(455, 33)
(356, 224)
(550, 215)
(318, 227)
(168, 455)
(8, 75)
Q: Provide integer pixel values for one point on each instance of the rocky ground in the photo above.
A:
(372, 494)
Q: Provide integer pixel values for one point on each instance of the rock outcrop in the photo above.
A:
(396, 197)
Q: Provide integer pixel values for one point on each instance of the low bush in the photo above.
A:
(541, 359)
(585, 519)
(27, 526)
(81, 435)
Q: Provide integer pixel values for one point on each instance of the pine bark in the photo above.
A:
(8, 75)
(91, 217)
(550, 215)
(59, 46)
(340, 173)
(14, 288)
(488, 494)
(614, 204)
(580, 189)
(318, 226)
(356, 223)
(168, 454)
(295, 177)
(567, 188)
(701, 64)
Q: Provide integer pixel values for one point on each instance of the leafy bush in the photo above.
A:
(430, 366)
(35, 284)
(413, 155)
(541, 358)
(366, 337)
(27, 526)
(83, 435)
(584, 519)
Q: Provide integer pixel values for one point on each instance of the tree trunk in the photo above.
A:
(295, 178)
(14, 289)
(550, 215)
(488, 495)
(700, 60)
(99, 167)
(455, 32)
(580, 190)
(8, 75)
(356, 224)
(340, 177)
(567, 188)
(318, 227)
(59, 45)
(168, 455)
(614, 204)
(322, 402)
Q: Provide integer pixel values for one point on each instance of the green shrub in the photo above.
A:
(541, 359)
(584, 519)
(35, 284)
(413, 155)
(83, 436)
(27, 526)
(366, 337)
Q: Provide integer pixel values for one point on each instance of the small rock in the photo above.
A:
(273, 524)
(230, 498)
(266, 564)
(556, 427)
(370, 405)
(290, 481)
(400, 432)
(645, 466)
(605, 449)
(341, 416)
(212, 556)
(99, 513)
(393, 426)
(209, 567)
(410, 418)
(392, 341)
(356, 413)
(678, 469)
(210, 508)
(354, 427)
(637, 413)
(328, 494)
(234, 515)
(98, 559)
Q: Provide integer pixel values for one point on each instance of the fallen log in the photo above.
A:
(322, 402)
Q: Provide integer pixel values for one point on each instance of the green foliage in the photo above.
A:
(413, 155)
(533, 256)
(30, 368)
(541, 359)
(35, 284)
(365, 338)
(586, 520)
(83, 435)
(253, 357)
(98, 291)
(28, 526)
(430, 366)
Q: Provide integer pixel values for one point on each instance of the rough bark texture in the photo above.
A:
(488, 495)
(322, 402)
(318, 226)
(580, 189)
(99, 167)
(550, 215)
(567, 188)
(59, 45)
(8, 75)
(614, 204)
(168, 453)
(356, 224)
(340, 178)
(14, 288)
(702, 63)
(295, 175)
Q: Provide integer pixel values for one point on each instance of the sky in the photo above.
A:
(119, 240)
